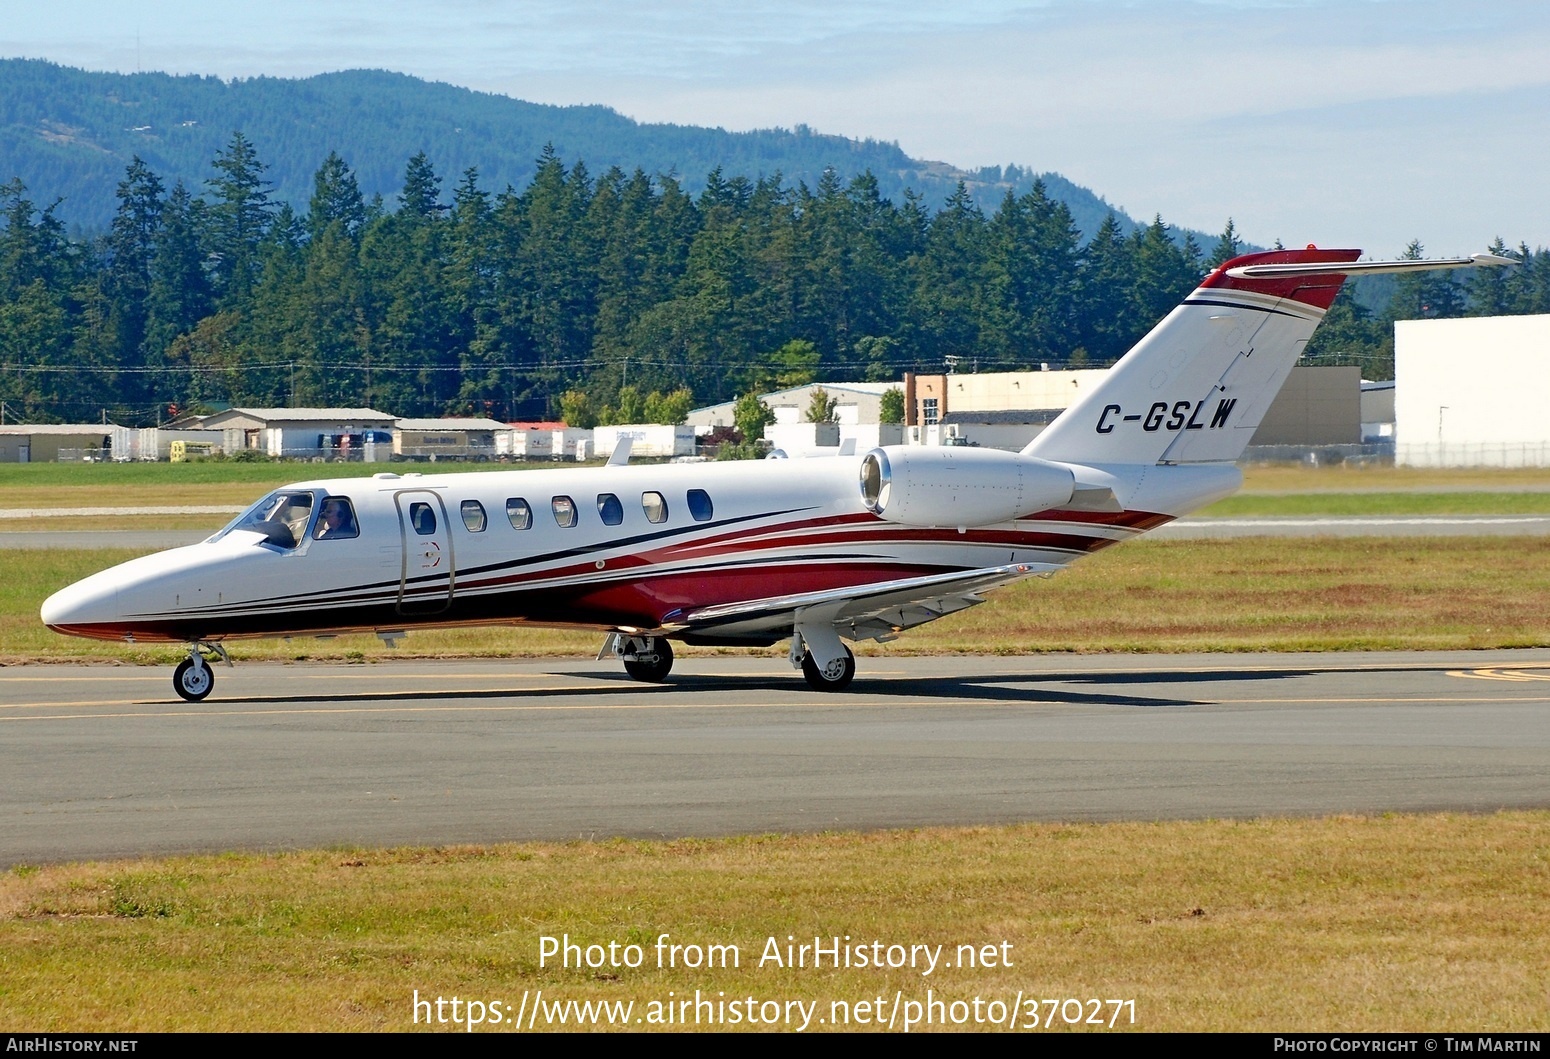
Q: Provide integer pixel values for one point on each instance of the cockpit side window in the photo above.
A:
(336, 521)
(281, 517)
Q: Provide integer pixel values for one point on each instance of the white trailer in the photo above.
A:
(648, 439)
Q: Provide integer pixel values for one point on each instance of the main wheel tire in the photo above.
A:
(836, 676)
(190, 683)
(652, 665)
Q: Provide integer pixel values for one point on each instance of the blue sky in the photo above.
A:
(1361, 122)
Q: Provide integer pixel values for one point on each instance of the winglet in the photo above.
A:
(621, 453)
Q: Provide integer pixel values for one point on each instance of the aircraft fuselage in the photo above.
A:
(614, 548)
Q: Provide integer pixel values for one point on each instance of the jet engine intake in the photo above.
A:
(953, 486)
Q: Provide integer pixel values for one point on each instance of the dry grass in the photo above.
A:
(173, 484)
(1435, 922)
(1252, 594)
(1257, 594)
(1299, 478)
(138, 523)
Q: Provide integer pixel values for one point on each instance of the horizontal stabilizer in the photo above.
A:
(1365, 268)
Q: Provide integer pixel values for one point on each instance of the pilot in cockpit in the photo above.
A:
(336, 520)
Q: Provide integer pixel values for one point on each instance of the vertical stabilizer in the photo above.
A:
(1197, 386)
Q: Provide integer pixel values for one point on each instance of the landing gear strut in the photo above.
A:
(836, 676)
(194, 679)
(648, 659)
(839, 667)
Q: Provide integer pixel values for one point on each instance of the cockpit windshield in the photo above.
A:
(281, 517)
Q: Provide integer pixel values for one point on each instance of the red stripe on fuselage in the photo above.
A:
(641, 590)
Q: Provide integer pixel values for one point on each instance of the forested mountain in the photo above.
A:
(589, 288)
(68, 134)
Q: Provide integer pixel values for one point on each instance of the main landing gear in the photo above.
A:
(835, 676)
(826, 663)
(194, 679)
(648, 659)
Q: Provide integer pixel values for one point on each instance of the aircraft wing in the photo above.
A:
(876, 611)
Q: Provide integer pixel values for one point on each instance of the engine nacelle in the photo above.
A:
(927, 486)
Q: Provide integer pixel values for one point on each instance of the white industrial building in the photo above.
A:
(305, 433)
(48, 442)
(453, 438)
(1006, 410)
(1472, 392)
(854, 402)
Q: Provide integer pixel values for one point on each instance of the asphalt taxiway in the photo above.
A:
(104, 761)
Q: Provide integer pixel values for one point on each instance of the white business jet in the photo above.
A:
(817, 551)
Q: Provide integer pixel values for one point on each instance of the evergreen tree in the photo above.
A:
(239, 218)
(949, 282)
(1488, 287)
(336, 197)
(1227, 247)
(39, 305)
(179, 296)
(1106, 319)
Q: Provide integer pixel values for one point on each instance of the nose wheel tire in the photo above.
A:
(193, 682)
(836, 676)
(651, 664)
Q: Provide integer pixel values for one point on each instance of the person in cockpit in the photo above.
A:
(337, 519)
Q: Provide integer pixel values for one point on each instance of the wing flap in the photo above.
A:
(865, 611)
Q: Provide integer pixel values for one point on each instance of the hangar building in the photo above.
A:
(1472, 392)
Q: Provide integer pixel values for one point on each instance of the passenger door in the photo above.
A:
(428, 575)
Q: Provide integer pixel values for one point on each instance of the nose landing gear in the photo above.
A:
(194, 679)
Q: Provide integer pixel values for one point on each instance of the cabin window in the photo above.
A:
(564, 509)
(518, 513)
(700, 506)
(423, 518)
(609, 509)
(654, 506)
(337, 520)
(473, 515)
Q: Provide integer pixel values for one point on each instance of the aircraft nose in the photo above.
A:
(93, 601)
